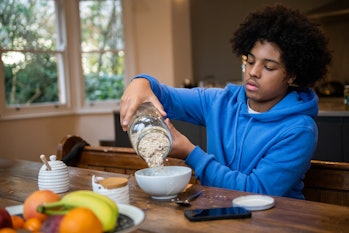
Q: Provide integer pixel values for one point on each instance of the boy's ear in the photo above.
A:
(291, 80)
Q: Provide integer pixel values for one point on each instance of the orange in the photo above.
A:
(17, 221)
(7, 230)
(34, 200)
(32, 224)
(80, 220)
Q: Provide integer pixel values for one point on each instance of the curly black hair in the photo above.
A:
(303, 45)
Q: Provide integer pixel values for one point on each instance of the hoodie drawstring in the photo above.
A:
(235, 133)
(242, 141)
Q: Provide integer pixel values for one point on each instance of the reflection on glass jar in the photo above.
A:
(150, 135)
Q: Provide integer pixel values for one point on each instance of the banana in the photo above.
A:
(97, 195)
(103, 207)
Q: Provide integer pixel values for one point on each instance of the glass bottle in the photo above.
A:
(149, 135)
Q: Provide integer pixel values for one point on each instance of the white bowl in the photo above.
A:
(163, 182)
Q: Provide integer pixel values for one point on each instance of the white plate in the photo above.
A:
(133, 212)
(15, 209)
(254, 202)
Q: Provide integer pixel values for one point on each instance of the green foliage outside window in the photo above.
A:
(32, 81)
(102, 87)
(30, 55)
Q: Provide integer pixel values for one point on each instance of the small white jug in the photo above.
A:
(55, 177)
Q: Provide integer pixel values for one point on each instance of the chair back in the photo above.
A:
(327, 182)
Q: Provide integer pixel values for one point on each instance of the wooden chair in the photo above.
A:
(327, 182)
(112, 159)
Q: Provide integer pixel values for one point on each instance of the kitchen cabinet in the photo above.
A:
(330, 139)
(333, 140)
(121, 138)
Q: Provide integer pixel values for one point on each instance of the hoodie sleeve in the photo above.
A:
(179, 103)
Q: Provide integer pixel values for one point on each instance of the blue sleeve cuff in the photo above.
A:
(195, 156)
(154, 83)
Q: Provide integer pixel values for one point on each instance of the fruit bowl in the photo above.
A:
(163, 182)
(130, 217)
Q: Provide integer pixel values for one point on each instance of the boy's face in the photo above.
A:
(265, 78)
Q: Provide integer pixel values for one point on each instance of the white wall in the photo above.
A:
(162, 39)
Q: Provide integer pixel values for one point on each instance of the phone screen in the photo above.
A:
(217, 213)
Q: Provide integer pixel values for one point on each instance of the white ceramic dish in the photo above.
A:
(133, 212)
(63, 182)
(254, 202)
(55, 187)
(163, 182)
(54, 178)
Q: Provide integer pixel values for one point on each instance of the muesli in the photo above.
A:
(152, 147)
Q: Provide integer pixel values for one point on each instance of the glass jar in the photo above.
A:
(149, 135)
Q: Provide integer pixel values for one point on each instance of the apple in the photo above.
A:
(5, 218)
(35, 199)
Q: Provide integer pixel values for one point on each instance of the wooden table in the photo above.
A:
(288, 215)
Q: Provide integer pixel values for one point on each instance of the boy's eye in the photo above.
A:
(249, 61)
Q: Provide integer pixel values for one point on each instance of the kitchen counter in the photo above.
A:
(329, 106)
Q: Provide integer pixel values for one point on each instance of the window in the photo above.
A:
(60, 56)
(102, 49)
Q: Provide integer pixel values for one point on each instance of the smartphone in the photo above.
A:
(217, 213)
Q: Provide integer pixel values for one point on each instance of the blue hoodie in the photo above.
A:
(266, 153)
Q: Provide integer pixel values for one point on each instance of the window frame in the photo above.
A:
(73, 80)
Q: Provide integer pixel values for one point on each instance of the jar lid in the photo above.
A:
(113, 182)
(55, 164)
